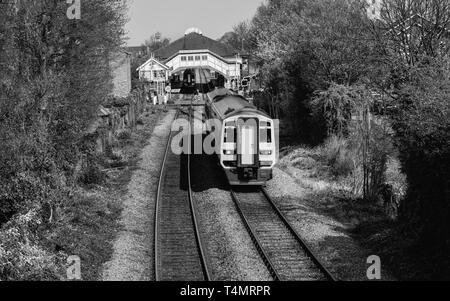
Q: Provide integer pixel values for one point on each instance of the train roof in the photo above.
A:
(227, 104)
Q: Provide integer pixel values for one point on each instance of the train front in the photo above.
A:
(248, 149)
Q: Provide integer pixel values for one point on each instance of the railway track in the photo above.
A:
(179, 253)
(286, 255)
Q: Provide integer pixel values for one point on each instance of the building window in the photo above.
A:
(197, 58)
(183, 58)
(158, 74)
(190, 58)
(205, 58)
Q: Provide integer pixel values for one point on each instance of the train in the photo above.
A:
(248, 151)
(191, 80)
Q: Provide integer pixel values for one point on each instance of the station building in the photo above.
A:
(196, 58)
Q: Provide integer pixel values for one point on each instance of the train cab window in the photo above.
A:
(230, 135)
(190, 58)
(265, 135)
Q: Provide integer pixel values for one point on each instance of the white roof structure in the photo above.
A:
(152, 61)
(193, 30)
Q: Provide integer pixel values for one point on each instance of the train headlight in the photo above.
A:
(229, 152)
(265, 153)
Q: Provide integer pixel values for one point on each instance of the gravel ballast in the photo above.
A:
(230, 251)
(232, 256)
(132, 259)
(297, 195)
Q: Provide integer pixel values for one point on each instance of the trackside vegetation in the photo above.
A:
(370, 92)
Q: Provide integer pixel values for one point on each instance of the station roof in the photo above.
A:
(195, 41)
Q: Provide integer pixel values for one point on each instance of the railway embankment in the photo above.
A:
(84, 223)
(326, 214)
(132, 255)
(91, 221)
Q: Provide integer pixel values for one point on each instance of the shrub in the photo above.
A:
(337, 154)
(92, 175)
(29, 177)
(21, 258)
(335, 106)
(371, 137)
(421, 119)
(124, 135)
(20, 193)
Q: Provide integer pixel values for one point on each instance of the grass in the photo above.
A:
(338, 155)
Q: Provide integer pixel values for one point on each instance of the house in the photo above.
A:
(153, 71)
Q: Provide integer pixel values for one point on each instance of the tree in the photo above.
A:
(155, 42)
(412, 42)
(240, 38)
(415, 28)
(302, 46)
(56, 75)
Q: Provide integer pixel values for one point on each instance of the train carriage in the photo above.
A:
(248, 145)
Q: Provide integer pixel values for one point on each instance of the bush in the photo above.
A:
(421, 119)
(29, 177)
(337, 154)
(20, 193)
(335, 106)
(92, 175)
(371, 137)
(124, 135)
(21, 257)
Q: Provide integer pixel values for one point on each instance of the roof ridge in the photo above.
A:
(195, 41)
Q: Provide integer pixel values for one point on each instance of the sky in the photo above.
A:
(173, 17)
